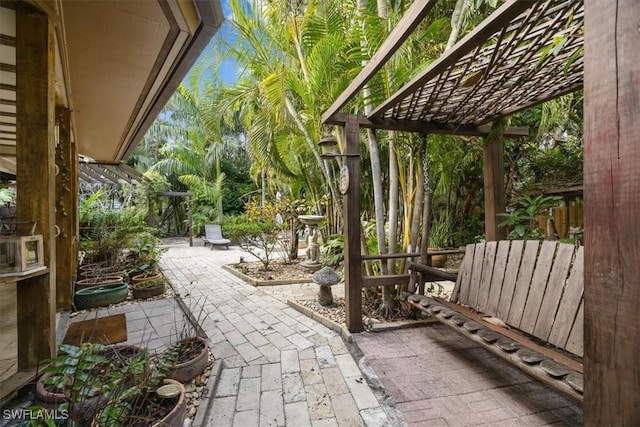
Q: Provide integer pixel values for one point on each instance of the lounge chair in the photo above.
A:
(213, 236)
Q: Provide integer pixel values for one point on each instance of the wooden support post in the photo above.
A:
(66, 250)
(612, 225)
(351, 218)
(190, 207)
(494, 198)
(35, 179)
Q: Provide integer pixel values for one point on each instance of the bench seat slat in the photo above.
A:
(538, 286)
(476, 275)
(575, 341)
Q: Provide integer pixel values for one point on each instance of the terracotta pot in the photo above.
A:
(186, 371)
(139, 278)
(175, 418)
(100, 296)
(143, 292)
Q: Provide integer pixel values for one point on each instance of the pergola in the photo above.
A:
(525, 53)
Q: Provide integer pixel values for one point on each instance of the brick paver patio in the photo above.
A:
(285, 369)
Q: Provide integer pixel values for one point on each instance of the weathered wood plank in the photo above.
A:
(575, 343)
(497, 278)
(66, 254)
(612, 197)
(476, 274)
(487, 271)
(510, 277)
(570, 303)
(523, 281)
(461, 289)
(352, 226)
(35, 180)
(554, 291)
(538, 286)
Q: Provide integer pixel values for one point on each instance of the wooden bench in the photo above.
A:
(536, 289)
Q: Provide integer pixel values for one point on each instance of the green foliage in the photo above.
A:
(333, 251)
(440, 233)
(521, 222)
(6, 195)
(260, 239)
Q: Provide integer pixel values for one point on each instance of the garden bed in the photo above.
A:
(280, 272)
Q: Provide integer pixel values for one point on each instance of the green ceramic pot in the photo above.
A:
(100, 296)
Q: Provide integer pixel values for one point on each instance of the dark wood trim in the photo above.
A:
(612, 234)
(35, 181)
(498, 19)
(6, 40)
(352, 227)
(387, 280)
(7, 114)
(409, 22)
(5, 86)
(493, 174)
(8, 68)
(65, 249)
(427, 127)
(211, 21)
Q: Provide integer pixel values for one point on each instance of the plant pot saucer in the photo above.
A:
(168, 390)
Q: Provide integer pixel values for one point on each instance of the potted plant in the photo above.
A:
(186, 359)
(101, 295)
(439, 237)
(145, 255)
(148, 288)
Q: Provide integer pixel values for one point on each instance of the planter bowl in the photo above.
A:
(100, 296)
(186, 371)
(98, 281)
(176, 417)
(142, 292)
(139, 278)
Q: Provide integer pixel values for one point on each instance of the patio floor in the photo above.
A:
(283, 368)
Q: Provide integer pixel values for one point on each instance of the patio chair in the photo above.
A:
(213, 236)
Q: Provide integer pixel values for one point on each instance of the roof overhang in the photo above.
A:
(117, 64)
(525, 53)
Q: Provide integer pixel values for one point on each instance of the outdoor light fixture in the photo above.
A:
(328, 146)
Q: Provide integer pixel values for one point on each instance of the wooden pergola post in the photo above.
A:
(35, 177)
(612, 224)
(494, 198)
(351, 218)
(66, 211)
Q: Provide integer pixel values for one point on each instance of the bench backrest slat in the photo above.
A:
(497, 278)
(461, 290)
(537, 288)
(567, 317)
(553, 292)
(510, 276)
(527, 264)
(488, 263)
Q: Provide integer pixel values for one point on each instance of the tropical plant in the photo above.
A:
(522, 221)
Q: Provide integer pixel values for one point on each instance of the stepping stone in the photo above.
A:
(459, 320)
(448, 313)
(574, 379)
(416, 298)
(489, 336)
(472, 326)
(508, 345)
(555, 369)
(530, 356)
(435, 308)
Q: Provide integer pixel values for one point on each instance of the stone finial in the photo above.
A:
(326, 276)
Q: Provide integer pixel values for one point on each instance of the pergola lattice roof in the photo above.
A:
(525, 53)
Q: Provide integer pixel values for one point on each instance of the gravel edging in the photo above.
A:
(341, 329)
(257, 282)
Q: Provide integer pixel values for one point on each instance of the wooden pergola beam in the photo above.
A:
(35, 180)
(612, 225)
(409, 22)
(340, 119)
